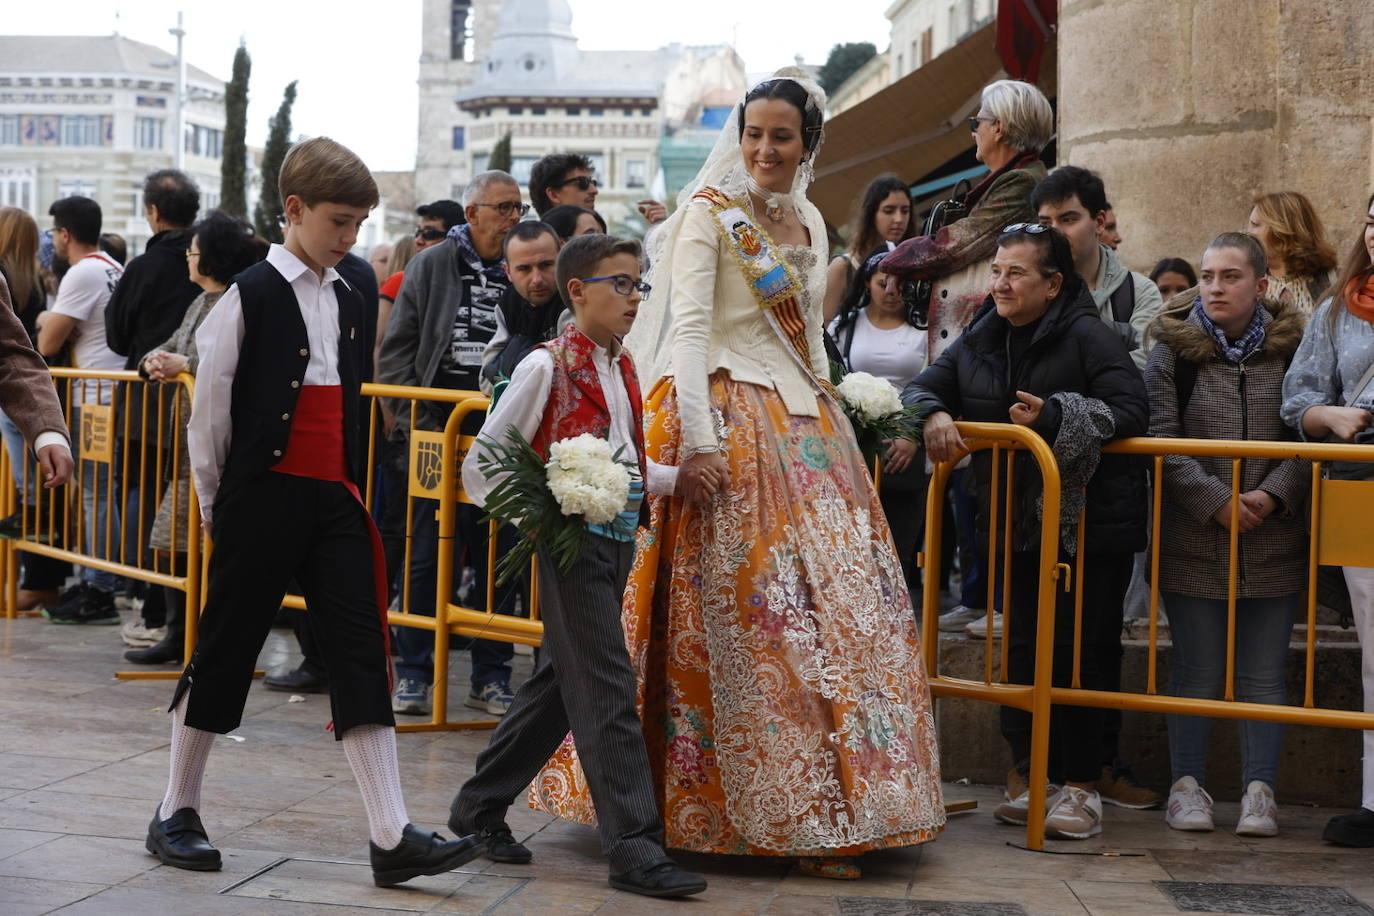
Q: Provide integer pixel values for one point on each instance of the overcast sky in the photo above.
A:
(357, 68)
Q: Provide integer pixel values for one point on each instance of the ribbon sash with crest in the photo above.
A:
(771, 278)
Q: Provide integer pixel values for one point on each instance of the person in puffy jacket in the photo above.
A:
(1217, 373)
(1038, 354)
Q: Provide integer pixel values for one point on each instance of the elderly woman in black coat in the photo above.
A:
(1039, 355)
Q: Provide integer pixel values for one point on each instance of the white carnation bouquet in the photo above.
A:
(876, 411)
(553, 502)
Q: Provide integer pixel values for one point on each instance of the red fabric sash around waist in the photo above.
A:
(315, 449)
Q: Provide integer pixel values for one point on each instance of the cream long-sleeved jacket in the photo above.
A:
(717, 324)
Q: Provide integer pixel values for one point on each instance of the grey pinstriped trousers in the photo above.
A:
(585, 683)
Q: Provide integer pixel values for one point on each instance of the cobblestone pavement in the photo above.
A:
(83, 760)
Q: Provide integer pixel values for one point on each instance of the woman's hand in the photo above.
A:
(1343, 422)
(942, 439)
(1249, 518)
(1028, 410)
(702, 476)
(163, 366)
(1260, 503)
(899, 455)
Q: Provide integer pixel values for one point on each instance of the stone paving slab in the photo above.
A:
(83, 759)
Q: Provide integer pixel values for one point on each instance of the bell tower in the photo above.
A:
(455, 37)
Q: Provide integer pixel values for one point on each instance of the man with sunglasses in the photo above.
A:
(431, 228)
(443, 320)
(563, 178)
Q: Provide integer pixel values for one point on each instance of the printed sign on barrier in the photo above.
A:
(97, 433)
(427, 463)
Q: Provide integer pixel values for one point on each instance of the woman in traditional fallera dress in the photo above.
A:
(784, 697)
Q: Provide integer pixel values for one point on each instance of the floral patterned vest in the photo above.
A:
(576, 402)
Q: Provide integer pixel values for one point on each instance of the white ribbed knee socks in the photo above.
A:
(371, 752)
(190, 750)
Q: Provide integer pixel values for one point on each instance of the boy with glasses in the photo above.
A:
(581, 382)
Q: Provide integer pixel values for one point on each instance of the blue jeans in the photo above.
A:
(490, 659)
(973, 563)
(98, 513)
(19, 456)
(1198, 626)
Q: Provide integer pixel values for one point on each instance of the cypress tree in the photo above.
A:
(500, 154)
(233, 167)
(269, 211)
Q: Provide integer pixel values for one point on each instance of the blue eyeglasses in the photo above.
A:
(1031, 228)
(623, 284)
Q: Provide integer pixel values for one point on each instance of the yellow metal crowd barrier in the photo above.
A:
(115, 456)
(1339, 514)
(127, 441)
(1003, 440)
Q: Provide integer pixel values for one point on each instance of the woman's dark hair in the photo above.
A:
(1056, 257)
(115, 246)
(857, 297)
(863, 237)
(227, 246)
(1174, 266)
(1357, 268)
(789, 91)
(563, 218)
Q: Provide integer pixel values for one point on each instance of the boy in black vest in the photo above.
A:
(276, 446)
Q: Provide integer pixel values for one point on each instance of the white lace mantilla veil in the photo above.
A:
(649, 340)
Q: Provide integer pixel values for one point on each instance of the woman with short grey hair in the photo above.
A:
(1012, 125)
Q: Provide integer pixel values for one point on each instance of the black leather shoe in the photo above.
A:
(168, 651)
(662, 880)
(180, 841)
(297, 681)
(419, 854)
(499, 843)
(1355, 829)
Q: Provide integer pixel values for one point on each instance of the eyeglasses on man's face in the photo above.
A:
(429, 233)
(623, 284)
(973, 122)
(191, 252)
(583, 182)
(507, 207)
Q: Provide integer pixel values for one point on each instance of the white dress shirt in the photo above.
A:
(218, 341)
(523, 404)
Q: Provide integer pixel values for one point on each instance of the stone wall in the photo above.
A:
(1190, 107)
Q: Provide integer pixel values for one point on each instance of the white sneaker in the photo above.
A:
(1017, 811)
(1076, 815)
(955, 620)
(978, 629)
(136, 634)
(1259, 814)
(1190, 807)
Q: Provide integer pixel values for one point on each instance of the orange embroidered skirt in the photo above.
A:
(781, 685)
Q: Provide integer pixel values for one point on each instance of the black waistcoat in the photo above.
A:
(271, 369)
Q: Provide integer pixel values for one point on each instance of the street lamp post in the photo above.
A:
(179, 142)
